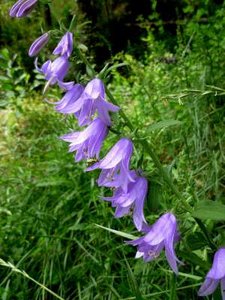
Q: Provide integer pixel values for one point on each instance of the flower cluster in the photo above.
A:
(129, 187)
(90, 107)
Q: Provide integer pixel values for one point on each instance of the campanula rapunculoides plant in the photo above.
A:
(89, 104)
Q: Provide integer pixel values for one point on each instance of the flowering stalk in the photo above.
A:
(148, 147)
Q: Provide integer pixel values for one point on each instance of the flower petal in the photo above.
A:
(208, 287)
(218, 268)
(162, 229)
(222, 284)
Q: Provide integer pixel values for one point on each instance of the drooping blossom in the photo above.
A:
(38, 44)
(55, 71)
(215, 275)
(65, 46)
(22, 8)
(133, 199)
(70, 97)
(161, 235)
(88, 142)
(115, 166)
(92, 100)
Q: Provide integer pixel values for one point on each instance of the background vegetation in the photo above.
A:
(172, 87)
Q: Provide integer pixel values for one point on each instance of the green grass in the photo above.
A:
(50, 207)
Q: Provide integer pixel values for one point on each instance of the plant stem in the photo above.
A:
(148, 148)
(15, 269)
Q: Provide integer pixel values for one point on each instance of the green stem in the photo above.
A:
(15, 269)
(148, 148)
(205, 232)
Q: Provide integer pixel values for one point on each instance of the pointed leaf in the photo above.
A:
(208, 209)
(121, 233)
(162, 125)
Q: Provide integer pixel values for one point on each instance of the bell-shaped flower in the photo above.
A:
(161, 235)
(55, 71)
(88, 142)
(133, 199)
(91, 101)
(65, 46)
(115, 166)
(70, 97)
(215, 275)
(22, 8)
(38, 44)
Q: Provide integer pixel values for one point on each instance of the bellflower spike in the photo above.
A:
(55, 71)
(115, 166)
(65, 46)
(88, 142)
(162, 234)
(38, 44)
(134, 199)
(70, 97)
(91, 101)
(22, 8)
(215, 275)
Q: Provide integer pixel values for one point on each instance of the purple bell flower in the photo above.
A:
(134, 199)
(70, 97)
(65, 46)
(55, 71)
(162, 234)
(38, 44)
(88, 142)
(22, 8)
(215, 275)
(91, 101)
(115, 166)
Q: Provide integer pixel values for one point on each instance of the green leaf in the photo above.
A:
(163, 124)
(120, 233)
(192, 258)
(196, 241)
(208, 209)
(154, 195)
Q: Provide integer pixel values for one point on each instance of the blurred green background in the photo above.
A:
(172, 88)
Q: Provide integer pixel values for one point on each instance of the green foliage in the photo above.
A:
(13, 78)
(50, 207)
(210, 210)
(18, 34)
(186, 87)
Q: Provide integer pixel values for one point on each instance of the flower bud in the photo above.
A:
(38, 44)
(22, 8)
(65, 45)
